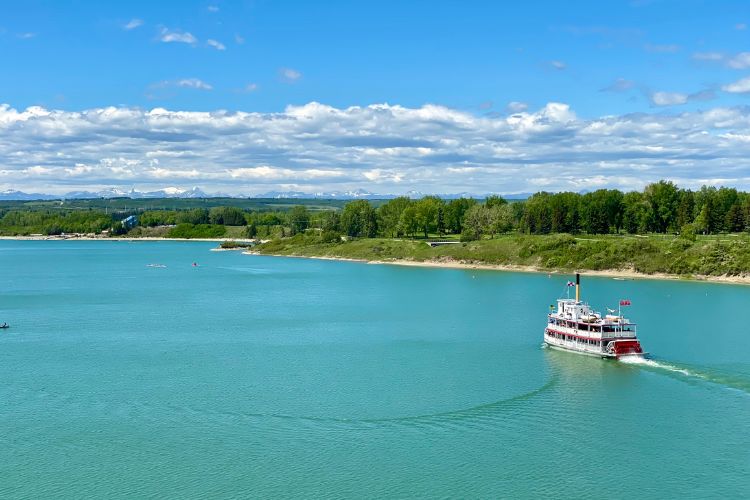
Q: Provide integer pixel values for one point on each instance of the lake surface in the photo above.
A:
(252, 376)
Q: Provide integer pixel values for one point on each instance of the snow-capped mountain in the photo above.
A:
(12, 194)
(195, 192)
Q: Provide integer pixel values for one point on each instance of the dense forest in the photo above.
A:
(661, 207)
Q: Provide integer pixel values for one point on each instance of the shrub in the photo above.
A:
(330, 237)
(189, 231)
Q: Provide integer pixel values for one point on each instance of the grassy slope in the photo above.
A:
(710, 256)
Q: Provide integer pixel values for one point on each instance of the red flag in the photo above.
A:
(625, 302)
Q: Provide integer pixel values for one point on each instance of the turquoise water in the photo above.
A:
(252, 376)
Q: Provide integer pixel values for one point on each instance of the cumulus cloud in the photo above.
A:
(132, 24)
(668, 98)
(388, 148)
(170, 36)
(215, 44)
(739, 87)
(289, 75)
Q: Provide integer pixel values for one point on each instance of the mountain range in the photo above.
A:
(174, 192)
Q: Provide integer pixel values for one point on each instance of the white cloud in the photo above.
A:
(212, 8)
(289, 75)
(740, 61)
(251, 87)
(516, 107)
(215, 44)
(169, 36)
(558, 65)
(239, 39)
(317, 147)
(708, 56)
(190, 83)
(668, 98)
(619, 85)
(739, 87)
(133, 24)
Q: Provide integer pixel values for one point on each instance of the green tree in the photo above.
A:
(299, 219)
(663, 199)
(636, 213)
(331, 222)
(228, 216)
(359, 219)
(408, 223)
(735, 219)
(494, 200)
(537, 217)
(440, 225)
(500, 218)
(389, 215)
(477, 222)
(193, 216)
(454, 213)
(427, 214)
(685, 208)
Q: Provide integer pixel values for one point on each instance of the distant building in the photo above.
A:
(130, 222)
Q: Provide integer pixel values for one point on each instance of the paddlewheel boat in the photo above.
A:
(576, 327)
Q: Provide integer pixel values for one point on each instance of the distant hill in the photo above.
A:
(196, 193)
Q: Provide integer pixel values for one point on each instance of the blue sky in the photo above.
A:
(485, 61)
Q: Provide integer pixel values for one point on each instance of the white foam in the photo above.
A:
(638, 360)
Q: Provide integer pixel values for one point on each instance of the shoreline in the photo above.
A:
(129, 239)
(624, 274)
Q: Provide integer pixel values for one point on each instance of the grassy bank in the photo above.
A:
(727, 255)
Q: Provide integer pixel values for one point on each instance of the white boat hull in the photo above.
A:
(579, 351)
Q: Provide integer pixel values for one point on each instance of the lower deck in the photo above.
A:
(593, 347)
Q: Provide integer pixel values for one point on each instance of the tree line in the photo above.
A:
(661, 207)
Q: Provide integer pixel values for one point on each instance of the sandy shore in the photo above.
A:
(624, 274)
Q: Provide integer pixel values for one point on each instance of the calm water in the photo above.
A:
(270, 377)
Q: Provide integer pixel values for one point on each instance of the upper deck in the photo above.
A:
(575, 316)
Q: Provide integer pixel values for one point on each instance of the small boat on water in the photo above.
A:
(4, 326)
(156, 265)
(576, 327)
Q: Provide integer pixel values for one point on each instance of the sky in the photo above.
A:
(247, 97)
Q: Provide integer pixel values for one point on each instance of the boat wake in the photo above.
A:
(730, 381)
(638, 360)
